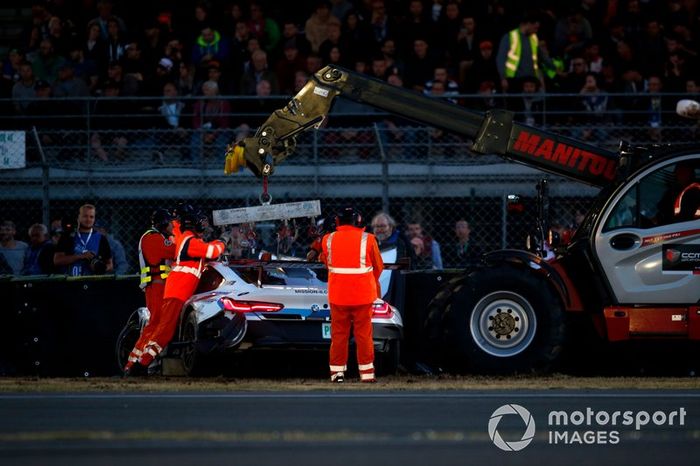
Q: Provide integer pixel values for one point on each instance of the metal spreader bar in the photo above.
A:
(267, 212)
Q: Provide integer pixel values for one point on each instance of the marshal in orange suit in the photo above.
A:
(354, 265)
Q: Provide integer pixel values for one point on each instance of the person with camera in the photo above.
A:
(191, 253)
(83, 251)
(156, 252)
(354, 265)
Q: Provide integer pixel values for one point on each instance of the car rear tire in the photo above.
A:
(387, 362)
(194, 362)
(505, 320)
(126, 341)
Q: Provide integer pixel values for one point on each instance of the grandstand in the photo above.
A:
(110, 97)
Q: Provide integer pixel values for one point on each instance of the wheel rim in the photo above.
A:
(188, 351)
(503, 324)
(126, 344)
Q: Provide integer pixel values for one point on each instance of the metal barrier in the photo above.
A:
(57, 326)
(129, 165)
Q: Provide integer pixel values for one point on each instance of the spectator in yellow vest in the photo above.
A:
(518, 55)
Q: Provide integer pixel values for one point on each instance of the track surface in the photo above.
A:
(330, 427)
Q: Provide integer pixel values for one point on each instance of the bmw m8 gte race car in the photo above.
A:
(244, 305)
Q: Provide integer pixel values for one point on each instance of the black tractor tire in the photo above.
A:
(194, 362)
(387, 362)
(505, 320)
(126, 341)
(432, 348)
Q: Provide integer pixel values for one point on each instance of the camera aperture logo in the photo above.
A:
(527, 418)
(582, 427)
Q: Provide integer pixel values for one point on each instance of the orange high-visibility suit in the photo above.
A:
(354, 265)
(156, 252)
(182, 281)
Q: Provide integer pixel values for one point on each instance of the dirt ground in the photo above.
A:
(399, 383)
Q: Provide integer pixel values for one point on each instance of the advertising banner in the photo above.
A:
(681, 259)
(12, 150)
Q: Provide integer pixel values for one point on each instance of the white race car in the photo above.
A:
(249, 304)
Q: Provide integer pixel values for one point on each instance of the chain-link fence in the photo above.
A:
(128, 158)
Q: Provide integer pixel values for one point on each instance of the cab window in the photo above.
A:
(650, 203)
(624, 215)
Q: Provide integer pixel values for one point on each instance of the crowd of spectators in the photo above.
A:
(610, 58)
(440, 47)
(38, 256)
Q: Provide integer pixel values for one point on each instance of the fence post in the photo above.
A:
(317, 165)
(88, 129)
(429, 139)
(504, 220)
(544, 110)
(385, 170)
(431, 162)
(45, 213)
